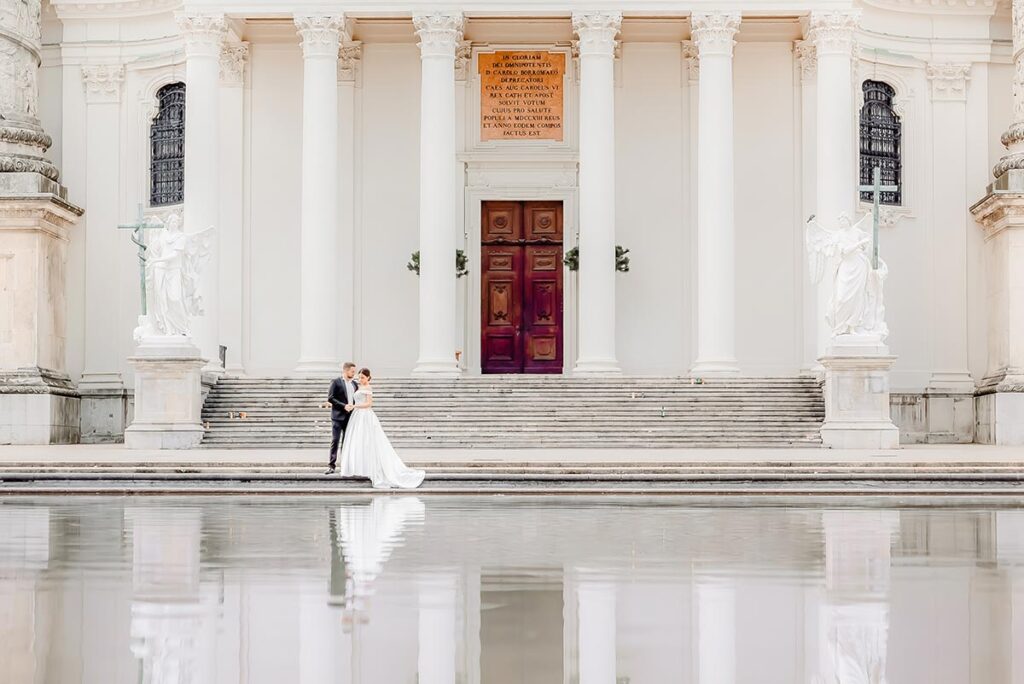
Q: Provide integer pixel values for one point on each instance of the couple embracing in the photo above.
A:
(365, 449)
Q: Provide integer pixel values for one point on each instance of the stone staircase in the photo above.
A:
(496, 411)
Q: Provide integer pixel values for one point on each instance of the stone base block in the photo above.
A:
(857, 413)
(38, 407)
(168, 395)
(104, 414)
(934, 417)
(1000, 418)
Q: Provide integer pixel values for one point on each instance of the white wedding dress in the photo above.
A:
(367, 452)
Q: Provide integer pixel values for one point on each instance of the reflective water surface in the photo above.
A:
(504, 589)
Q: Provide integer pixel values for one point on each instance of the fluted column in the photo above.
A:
(439, 34)
(713, 36)
(596, 341)
(321, 38)
(203, 34)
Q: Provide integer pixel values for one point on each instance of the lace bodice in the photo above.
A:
(361, 395)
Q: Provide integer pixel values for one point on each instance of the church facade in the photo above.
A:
(522, 187)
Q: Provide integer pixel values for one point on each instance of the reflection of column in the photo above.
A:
(716, 631)
(1010, 552)
(596, 619)
(439, 34)
(596, 339)
(24, 623)
(437, 637)
(716, 250)
(855, 620)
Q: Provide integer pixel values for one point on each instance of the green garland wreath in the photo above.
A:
(572, 259)
(461, 263)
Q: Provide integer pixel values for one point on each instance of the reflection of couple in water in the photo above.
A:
(362, 536)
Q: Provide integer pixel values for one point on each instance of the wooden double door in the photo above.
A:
(521, 298)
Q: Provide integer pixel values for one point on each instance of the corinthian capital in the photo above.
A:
(714, 32)
(203, 33)
(949, 81)
(832, 33)
(440, 33)
(321, 34)
(102, 82)
(597, 32)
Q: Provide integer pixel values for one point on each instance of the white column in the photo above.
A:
(233, 57)
(437, 597)
(596, 340)
(716, 236)
(715, 605)
(321, 38)
(348, 152)
(203, 35)
(596, 611)
(440, 34)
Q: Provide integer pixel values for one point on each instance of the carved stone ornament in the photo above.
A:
(203, 33)
(597, 32)
(807, 56)
(833, 32)
(102, 82)
(440, 33)
(22, 18)
(888, 216)
(19, 91)
(689, 53)
(463, 59)
(949, 81)
(321, 34)
(1013, 138)
(350, 54)
(714, 32)
(233, 57)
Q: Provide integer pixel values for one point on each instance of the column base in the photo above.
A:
(104, 408)
(444, 370)
(596, 367)
(999, 409)
(38, 406)
(168, 394)
(857, 411)
(318, 368)
(721, 368)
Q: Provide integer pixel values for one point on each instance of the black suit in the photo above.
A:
(339, 416)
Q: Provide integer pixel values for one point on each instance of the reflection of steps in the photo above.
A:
(528, 411)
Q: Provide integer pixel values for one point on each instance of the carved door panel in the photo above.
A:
(521, 298)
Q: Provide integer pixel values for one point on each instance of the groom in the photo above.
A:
(342, 391)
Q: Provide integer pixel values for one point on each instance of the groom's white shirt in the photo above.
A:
(348, 389)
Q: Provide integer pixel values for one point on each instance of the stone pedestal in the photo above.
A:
(168, 394)
(857, 414)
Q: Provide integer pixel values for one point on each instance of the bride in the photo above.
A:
(366, 451)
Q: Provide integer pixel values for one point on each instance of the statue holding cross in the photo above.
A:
(850, 255)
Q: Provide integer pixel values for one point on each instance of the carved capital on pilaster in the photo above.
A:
(597, 32)
(203, 33)
(102, 82)
(321, 34)
(350, 56)
(714, 32)
(949, 81)
(440, 33)
(233, 57)
(807, 56)
(833, 33)
(692, 61)
(463, 57)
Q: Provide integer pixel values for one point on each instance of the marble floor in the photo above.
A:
(510, 589)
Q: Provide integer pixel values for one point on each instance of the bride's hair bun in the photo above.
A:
(366, 372)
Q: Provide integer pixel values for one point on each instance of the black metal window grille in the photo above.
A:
(880, 132)
(167, 147)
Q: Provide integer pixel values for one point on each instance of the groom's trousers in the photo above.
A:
(337, 434)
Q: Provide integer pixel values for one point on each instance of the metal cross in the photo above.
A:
(141, 224)
(876, 188)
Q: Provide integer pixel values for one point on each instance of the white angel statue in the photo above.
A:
(174, 260)
(856, 306)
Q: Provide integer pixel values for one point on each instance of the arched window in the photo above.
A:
(880, 130)
(167, 147)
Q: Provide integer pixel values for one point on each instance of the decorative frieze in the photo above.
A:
(22, 18)
(833, 32)
(714, 32)
(350, 55)
(807, 57)
(203, 33)
(233, 57)
(949, 81)
(321, 34)
(440, 33)
(597, 32)
(102, 82)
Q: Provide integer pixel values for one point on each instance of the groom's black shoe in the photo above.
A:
(329, 471)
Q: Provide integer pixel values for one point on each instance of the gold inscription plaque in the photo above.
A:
(521, 95)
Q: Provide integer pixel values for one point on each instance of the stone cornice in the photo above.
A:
(112, 9)
(949, 81)
(440, 33)
(833, 32)
(203, 33)
(321, 34)
(597, 32)
(982, 7)
(714, 33)
(102, 82)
